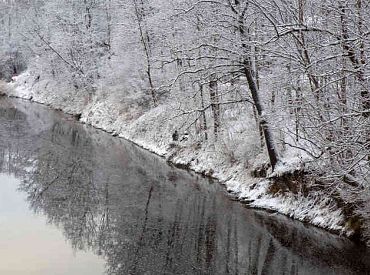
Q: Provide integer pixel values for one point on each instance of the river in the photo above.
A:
(75, 200)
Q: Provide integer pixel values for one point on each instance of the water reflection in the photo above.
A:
(145, 217)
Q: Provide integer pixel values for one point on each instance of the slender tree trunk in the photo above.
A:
(263, 122)
(145, 41)
(257, 80)
(357, 63)
(259, 127)
(252, 84)
(215, 105)
(204, 118)
(303, 51)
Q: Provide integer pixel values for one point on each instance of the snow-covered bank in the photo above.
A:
(153, 130)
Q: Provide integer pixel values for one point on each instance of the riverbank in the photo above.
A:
(152, 130)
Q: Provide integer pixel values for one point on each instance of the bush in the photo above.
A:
(11, 64)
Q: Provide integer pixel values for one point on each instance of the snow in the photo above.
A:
(292, 160)
(152, 129)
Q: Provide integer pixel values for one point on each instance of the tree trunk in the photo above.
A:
(357, 63)
(204, 119)
(144, 37)
(263, 122)
(305, 55)
(248, 71)
(215, 105)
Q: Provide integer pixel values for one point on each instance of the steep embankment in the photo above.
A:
(152, 131)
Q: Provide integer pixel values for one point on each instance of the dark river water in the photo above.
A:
(74, 200)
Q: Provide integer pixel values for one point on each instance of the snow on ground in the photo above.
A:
(152, 130)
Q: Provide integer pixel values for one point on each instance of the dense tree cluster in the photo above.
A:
(299, 69)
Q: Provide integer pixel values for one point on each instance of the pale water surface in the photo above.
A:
(74, 200)
(29, 246)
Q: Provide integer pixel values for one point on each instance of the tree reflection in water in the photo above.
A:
(145, 217)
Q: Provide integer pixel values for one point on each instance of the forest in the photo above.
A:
(271, 97)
